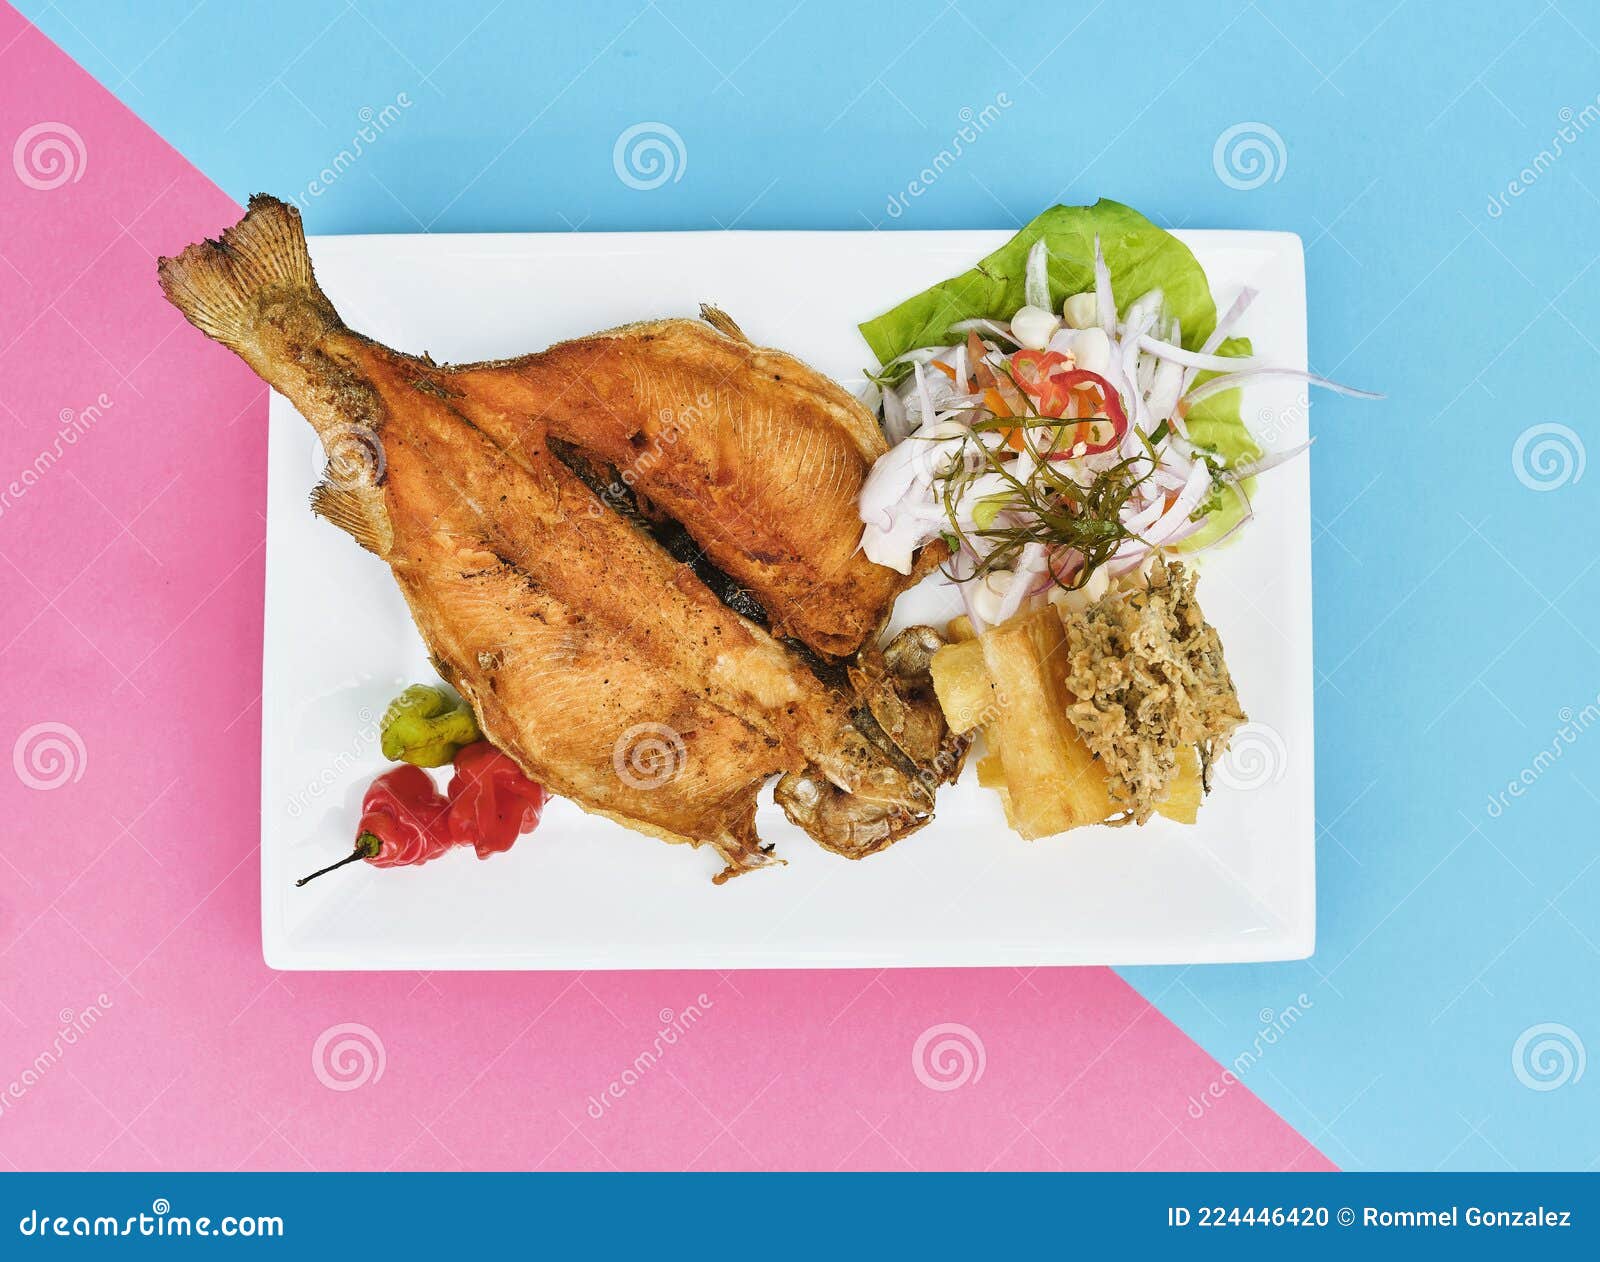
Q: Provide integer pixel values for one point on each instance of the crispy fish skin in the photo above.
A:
(603, 666)
(758, 456)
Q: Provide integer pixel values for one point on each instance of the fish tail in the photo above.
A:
(222, 285)
(253, 290)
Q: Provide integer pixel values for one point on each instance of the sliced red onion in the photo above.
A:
(924, 395)
(1036, 277)
(1172, 520)
(1272, 460)
(1169, 476)
(1031, 562)
(983, 325)
(916, 355)
(1233, 380)
(1143, 518)
(896, 423)
(1188, 498)
(1104, 301)
(1194, 359)
(1065, 566)
(1224, 326)
(1183, 532)
(896, 546)
(1121, 564)
(1126, 354)
(1147, 374)
(1165, 390)
(888, 482)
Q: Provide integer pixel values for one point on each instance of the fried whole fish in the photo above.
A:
(602, 664)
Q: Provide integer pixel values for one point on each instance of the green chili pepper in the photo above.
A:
(426, 725)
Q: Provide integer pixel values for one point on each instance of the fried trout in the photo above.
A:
(605, 666)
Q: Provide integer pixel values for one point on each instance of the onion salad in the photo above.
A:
(1051, 452)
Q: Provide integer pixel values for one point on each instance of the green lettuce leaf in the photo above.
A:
(1140, 256)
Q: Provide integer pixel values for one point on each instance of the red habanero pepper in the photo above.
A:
(491, 802)
(402, 822)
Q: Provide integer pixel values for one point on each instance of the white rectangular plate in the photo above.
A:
(583, 892)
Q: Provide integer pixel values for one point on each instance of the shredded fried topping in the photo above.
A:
(1149, 675)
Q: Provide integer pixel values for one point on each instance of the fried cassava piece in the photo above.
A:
(599, 660)
(1103, 714)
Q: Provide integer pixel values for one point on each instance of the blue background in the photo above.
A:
(1455, 628)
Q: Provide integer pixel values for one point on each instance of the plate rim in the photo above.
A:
(1291, 937)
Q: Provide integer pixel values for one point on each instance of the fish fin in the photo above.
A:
(723, 323)
(351, 509)
(219, 284)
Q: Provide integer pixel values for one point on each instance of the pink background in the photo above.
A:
(132, 570)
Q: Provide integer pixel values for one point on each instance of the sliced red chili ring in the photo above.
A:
(1081, 381)
(1059, 392)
